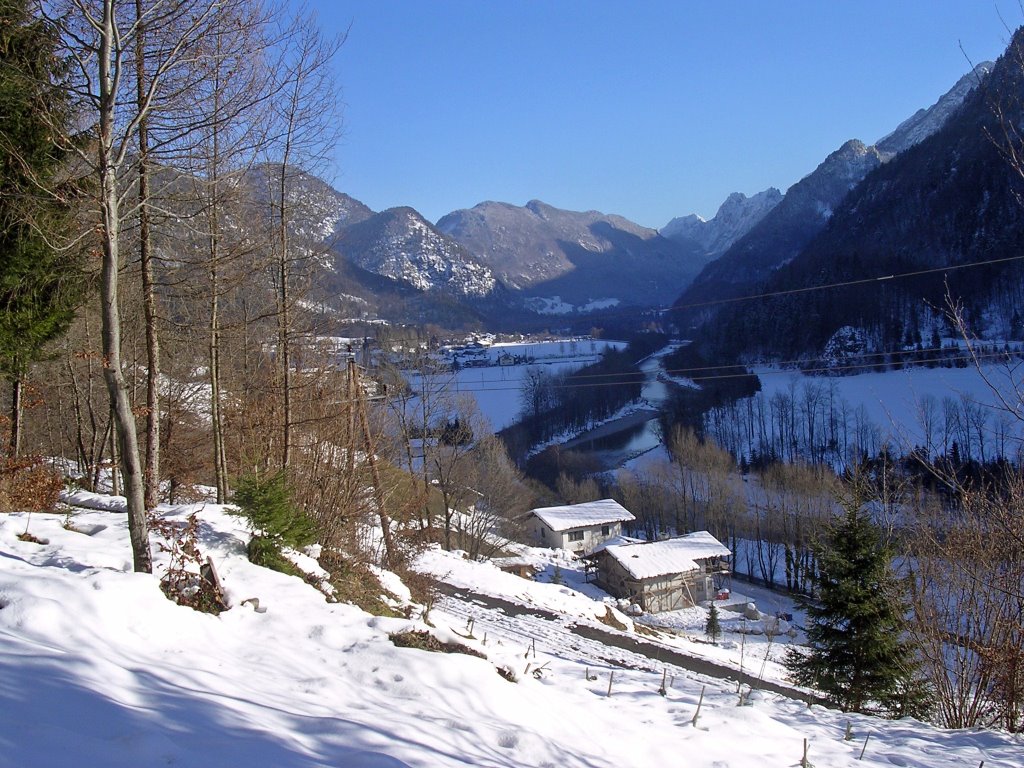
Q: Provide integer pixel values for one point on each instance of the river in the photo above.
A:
(616, 442)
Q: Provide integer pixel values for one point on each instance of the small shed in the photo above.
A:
(578, 528)
(665, 575)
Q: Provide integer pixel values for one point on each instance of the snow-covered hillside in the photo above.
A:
(400, 244)
(99, 669)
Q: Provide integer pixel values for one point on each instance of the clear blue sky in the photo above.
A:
(642, 108)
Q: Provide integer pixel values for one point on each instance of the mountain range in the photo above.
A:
(789, 226)
(495, 264)
(499, 264)
(938, 225)
(560, 260)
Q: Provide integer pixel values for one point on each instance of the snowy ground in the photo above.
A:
(743, 645)
(896, 402)
(497, 389)
(99, 669)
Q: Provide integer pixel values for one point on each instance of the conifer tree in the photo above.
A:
(38, 289)
(859, 657)
(712, 628)
(276, 521)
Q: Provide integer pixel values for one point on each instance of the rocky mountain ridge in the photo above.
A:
(735, 217)
(578, 257)
(806, 209)
(400, 244)
(925, 122)
(940, 219)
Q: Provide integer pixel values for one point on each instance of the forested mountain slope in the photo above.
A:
(952, 200)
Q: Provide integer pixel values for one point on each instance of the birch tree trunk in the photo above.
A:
(14, 446)
(152, 468)
(127, 437)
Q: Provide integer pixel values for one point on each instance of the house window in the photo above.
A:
(606, 530)
(575, 535)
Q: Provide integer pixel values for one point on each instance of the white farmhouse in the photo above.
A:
(665, 575)
(578, 527)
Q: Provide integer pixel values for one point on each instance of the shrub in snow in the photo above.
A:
(28, 485)
(276, 522)
(556, 576)
(184, 581)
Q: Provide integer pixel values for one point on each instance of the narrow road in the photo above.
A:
(592, 643)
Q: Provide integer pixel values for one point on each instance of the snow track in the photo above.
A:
(543, 633)
(549, 634)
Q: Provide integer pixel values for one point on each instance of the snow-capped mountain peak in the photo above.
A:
(925, 122)
(735, 217)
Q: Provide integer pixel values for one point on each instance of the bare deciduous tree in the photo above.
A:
(304, 127)
(100, 39)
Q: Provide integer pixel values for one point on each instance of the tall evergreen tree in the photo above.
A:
(38, 285)
(858, 656)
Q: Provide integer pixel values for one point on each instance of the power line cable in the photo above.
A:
(804, 289)
(847, 283)
(473, 387)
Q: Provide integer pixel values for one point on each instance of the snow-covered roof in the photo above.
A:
(589, 513)
(660, 558)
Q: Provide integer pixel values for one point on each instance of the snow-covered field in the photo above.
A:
(899, 404)
(99, 669)
(497, 388)
(914, 406)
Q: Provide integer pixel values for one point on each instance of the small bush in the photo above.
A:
(422, 590)
(427, 642)
(183, 581)
(713, 628)
(29, 485)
